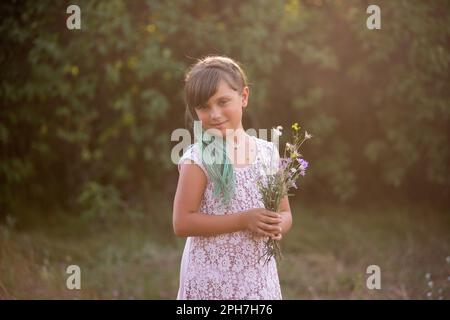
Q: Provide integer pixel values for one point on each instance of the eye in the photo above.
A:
(223, 102)
(201, 107)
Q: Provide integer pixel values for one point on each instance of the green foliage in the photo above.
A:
(99, 104)
(332, 246)
(99, 202)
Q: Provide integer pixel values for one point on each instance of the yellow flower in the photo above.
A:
(74, 70)
(132, 62)
(295, 126)
(150, 28)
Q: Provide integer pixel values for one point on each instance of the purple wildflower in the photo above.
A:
(284, 163)
(303, 164)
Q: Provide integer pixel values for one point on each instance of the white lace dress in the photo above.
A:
(228, 266)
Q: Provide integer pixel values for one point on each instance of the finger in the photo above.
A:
(272, 214)
(277, 233)
(277, 237)
(270, 228)
(272, 220)
(266, 227)
(264, 233)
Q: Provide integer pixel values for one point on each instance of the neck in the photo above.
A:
(239, 135)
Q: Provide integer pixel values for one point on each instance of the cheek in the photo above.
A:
(201, 115)
(234, 113)
(229, 111)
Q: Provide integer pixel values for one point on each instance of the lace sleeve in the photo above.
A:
(275, 157)
(270, 158)
(192, 156)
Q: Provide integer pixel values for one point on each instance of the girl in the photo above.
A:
(218, 206)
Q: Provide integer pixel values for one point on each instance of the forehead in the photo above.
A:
(223, 89)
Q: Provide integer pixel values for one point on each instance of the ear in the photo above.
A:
(245, 94)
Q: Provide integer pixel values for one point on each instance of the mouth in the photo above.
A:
(219, 125)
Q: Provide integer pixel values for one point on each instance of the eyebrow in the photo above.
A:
(223, 97)
(218, 98)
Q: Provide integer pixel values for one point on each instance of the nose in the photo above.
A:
(216, 115)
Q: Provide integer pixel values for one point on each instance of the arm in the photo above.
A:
(188, 221)
(286, 216)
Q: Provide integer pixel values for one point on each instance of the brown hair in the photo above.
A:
(202, 81)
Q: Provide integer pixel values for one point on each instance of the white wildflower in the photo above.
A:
(277, 130)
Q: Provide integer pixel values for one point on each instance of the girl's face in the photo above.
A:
(223, 111)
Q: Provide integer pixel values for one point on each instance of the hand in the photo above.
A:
(277, 237)
(263, 222)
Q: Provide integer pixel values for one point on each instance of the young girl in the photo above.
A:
(218, 206)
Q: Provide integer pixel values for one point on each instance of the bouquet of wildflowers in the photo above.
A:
(276, 183)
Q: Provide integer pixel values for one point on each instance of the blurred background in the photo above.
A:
(86, 117)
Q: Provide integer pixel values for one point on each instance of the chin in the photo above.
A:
(216, 131)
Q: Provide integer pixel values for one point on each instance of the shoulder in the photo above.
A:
(267, 147)
(263, 142)
(192, 155)
(268, 154)
(190, 152)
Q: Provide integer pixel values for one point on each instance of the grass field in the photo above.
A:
(326, 255)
